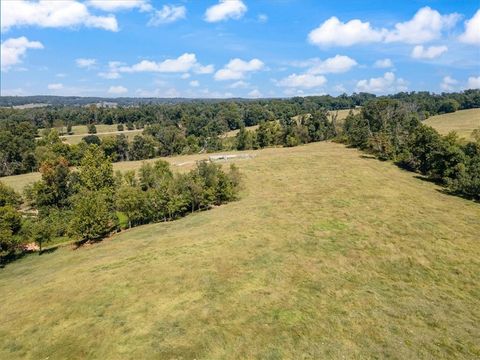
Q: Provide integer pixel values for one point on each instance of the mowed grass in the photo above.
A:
(83, 130)
(103, 130)
(76, 139)
(328, 254)
(462, 121)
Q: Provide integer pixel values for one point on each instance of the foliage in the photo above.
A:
(91, 129)
(92, 140)
(92, 217)
(8, 196)
(96, 171)
(181, 127)
(55, 188)
(391, 130)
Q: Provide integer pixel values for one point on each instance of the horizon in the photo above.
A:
(237, 49)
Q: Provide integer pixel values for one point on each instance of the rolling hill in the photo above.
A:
(328, 253)
(462, 121)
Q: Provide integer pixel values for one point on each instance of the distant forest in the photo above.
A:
(190, 126)
(343, 101)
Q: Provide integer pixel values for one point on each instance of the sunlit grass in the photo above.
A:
(462, 121)
(328, 254)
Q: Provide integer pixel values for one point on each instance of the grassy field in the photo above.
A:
(462, 121)
(328, 254)
(80, 131)
(75, 139)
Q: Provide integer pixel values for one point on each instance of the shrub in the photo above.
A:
(91, 129)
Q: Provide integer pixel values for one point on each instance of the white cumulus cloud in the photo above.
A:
(386, 84)
(117, 90)
(239, 85)
(448, 83)
(52, 14)
(56, 86)
(13, 50)
(255, 93)
(431, 52)
(473, 82)
(335, 32)
(119, 5)
(85, 63)
(224, 10)
(306, 81)
(335, 65)
(472, 30)
(168, 14)
(383, 64)
(183, 64)
(194, 83)
(426, 25)
(237, 68)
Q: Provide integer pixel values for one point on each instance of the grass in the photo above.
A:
(83, 130)
(328, 254)
(462, 121)
(103, 130)
(76, 139)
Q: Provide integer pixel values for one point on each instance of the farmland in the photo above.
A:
(327, 253)
(463, 122)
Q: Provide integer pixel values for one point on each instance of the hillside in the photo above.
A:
(329, 253)
(462, 121)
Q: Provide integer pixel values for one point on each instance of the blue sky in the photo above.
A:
(237, 48)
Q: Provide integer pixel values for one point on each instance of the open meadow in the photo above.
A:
(328, 254)
(463, 122)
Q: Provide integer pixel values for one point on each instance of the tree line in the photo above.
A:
(187, 127)
(288, 132)
(92, 202)
(392, 130)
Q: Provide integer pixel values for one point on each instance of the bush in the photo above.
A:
(448, 106)
(8, 196)
(120, 127)
(91, 129)
(92, 140)
(10, 225)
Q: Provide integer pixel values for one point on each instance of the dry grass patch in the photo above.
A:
(462, 121)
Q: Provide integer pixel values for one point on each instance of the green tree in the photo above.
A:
(91, 129)
(92, 140)
(92, 217)
(8, 196)
(243, 139)
(10, 225)
(153, 175)
(143, 147)
(55, 187)
(448, 106)
(96, 171)
(42, 232)
(132, 202)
